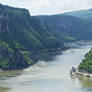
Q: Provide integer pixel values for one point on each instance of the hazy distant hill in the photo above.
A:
(67, 28)
(84, 14)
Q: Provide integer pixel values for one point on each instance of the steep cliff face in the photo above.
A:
(21, 36)
(12, 54)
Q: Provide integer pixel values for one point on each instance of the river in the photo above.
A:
(49, 75)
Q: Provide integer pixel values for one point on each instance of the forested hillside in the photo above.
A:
(87, 63)
(67, 28)
(21, 37)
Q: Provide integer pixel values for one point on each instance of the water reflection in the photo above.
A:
(4, 89)
(85, 82)
(49, 56)
(4, 74)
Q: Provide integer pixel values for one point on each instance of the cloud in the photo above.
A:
(37, 7)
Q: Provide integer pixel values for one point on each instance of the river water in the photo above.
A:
(49, 75)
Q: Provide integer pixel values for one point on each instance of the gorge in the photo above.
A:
(23, 37)
(37, 52)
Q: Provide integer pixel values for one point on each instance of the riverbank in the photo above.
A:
(79, 73)
(68, 45)
(44, 54)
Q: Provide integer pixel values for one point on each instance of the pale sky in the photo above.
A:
(49, 7)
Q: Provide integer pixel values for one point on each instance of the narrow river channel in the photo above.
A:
(50, 75)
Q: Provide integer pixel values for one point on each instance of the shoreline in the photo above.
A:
(78, 74)
(41, 55)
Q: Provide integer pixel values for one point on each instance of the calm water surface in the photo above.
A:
(52, 76)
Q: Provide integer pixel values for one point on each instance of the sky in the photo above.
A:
(49, 7)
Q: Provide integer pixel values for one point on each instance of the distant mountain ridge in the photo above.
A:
(67, 28)
(84, 14)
